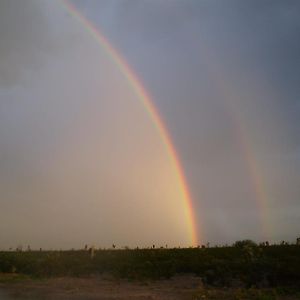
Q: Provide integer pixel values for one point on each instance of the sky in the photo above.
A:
(81, 158)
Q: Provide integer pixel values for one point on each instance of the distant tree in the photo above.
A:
(244, 243)
(249, 249)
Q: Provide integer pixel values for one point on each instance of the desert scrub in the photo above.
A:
(223, 266)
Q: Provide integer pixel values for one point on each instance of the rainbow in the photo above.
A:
(243, 138)
(250, 158)
(255, 176)
(146, 101)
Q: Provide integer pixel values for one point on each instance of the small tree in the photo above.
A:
(244, 244)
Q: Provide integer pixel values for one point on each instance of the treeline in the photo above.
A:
(245, 264)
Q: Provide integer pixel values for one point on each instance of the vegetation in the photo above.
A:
(243, 265)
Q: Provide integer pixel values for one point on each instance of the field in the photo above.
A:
(244, 271)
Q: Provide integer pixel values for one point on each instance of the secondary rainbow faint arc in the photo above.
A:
(144, 97)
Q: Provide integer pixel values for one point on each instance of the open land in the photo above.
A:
(240, 272)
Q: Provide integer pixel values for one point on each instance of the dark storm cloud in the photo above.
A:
(205, 62)
(224, 75)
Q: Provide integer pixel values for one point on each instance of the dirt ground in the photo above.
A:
(105, 288)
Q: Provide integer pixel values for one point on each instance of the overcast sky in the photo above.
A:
(81, 161)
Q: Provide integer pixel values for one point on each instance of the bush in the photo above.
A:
(244, 243)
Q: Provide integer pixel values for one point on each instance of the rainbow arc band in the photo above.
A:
(145, 99)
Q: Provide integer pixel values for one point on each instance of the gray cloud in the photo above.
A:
(224, 76)
(81, 161)
(23, 43)
(31, 36)
(213, 67)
